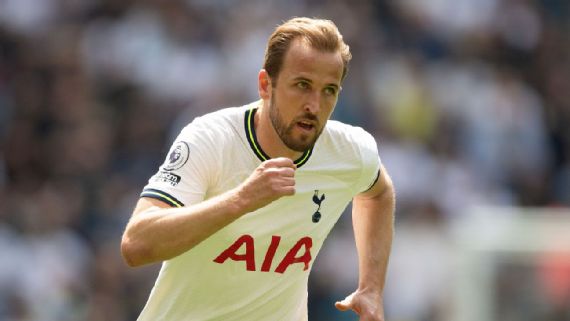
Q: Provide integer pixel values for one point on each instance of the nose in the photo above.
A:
(313, 103)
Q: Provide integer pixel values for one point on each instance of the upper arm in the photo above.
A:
(146, 203)
(381, 186)
(188, 170)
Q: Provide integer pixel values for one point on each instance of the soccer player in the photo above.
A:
(247, 195)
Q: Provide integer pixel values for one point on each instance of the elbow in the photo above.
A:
(132, 253)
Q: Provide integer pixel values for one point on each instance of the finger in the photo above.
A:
(287, 181)
(280, 162)
(287, 172)
(289, 190)
(282, 172)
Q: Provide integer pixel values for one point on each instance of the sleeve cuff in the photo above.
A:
(163, 196)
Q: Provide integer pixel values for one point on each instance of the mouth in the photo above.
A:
(306, 125)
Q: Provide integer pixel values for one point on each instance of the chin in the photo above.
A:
(300, 143)
(301, 147)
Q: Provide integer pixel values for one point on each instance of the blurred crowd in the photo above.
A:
(468, 99)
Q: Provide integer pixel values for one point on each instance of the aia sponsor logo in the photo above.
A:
(243, 249)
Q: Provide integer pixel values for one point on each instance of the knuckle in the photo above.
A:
(275, 173)
(270, 172)
(260, 169)
(267, 164)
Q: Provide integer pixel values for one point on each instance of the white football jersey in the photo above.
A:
(256, 268)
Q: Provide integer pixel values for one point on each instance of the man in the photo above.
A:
(247, 195)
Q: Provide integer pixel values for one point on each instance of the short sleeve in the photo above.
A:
(370, 160)
(186, 173)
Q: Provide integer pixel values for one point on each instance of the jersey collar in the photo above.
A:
(254, 144)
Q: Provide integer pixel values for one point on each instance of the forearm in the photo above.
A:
(156, 234)
(373, 221)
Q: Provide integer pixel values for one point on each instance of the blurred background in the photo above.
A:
(469, 101)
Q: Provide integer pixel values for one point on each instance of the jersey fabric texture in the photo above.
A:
(256, 268)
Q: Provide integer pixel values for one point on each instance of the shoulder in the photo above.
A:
(357, 147)
(348, 142)
(341, 133)
(201, 144)
(216, 125)
(221, 118)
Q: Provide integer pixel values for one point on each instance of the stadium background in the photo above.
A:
(468, 99)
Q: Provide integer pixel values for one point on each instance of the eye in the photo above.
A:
(331, 91)
(303, 85)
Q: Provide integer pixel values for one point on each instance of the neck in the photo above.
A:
(267, 136)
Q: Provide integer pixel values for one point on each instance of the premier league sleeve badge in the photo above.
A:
(177, 156)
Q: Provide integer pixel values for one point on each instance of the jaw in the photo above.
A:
(300, 138)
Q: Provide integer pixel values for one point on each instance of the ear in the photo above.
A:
(264, 84)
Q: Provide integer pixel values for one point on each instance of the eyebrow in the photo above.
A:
(310, 81)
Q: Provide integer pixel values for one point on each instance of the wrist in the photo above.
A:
(371, 290)
(239, 204)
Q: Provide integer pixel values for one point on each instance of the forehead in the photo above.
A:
(302, 60)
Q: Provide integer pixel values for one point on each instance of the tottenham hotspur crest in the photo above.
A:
(317, 200)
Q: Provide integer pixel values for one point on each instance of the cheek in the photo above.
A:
(294, 96)
(328, 107)
(283, 110)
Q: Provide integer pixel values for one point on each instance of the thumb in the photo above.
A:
(345, 304)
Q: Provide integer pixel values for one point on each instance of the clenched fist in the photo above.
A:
(270, 181)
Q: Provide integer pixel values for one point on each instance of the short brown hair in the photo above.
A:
(320, 34)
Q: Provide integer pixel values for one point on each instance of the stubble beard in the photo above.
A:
(285, 132)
